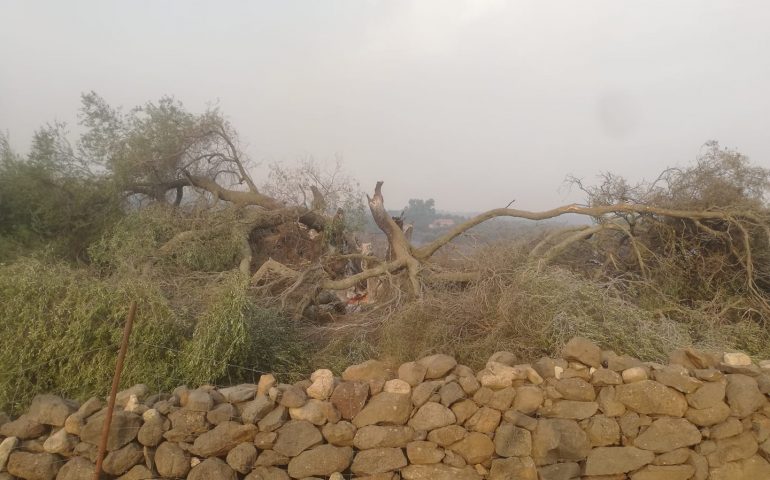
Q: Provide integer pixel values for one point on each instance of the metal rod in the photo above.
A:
(114, 391)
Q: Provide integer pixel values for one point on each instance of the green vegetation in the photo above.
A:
(156, 205)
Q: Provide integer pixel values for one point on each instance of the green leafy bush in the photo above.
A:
(62, 328)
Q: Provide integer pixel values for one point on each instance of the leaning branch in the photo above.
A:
(425, 252)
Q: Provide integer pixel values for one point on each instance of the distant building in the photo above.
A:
(442, 223)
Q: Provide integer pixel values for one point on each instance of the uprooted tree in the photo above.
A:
(295, 243)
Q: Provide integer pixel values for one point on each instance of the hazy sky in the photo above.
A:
(473, 103)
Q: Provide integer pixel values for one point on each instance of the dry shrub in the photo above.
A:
(532, 311)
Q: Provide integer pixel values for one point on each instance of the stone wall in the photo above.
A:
(592, 415)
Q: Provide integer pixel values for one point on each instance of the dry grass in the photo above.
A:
(532, 311)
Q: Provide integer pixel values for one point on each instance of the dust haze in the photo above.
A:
(472, 103)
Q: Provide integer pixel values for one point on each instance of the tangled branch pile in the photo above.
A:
(160, 203)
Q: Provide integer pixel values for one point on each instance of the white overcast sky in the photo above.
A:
(473, 103)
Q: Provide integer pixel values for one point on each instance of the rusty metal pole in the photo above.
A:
(114, 390)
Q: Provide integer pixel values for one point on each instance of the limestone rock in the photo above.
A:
(729, 428)
(520, 468)
(322, 460)
(34, 466)
(485, 420)
(752, 468)
(199, 401)
(582, 350)
(474, 448)
(576, 389)
(425, 391)
(222, 413)
(75, 422)
(437, 365)
(51, 410)
(340, 434)
(267, 473)
(512, 441)
(634, 374)
(708, 395)
(22, 428)
(448, 435)
(315, 411)
(265, 383)
(736, 359)
(296, 437)
(528, 399)
(704, 417)
(119, 461)
(397, 386)
(349, 398)
(60, 442)
(743, 395)
(123, 429)
(450, 393)
(412, 373)
(378, 460)
(373, 372)
(560, 471)
(464, 410)
(603, 431)
(7, 446)
(568, 409)
(668, 472)
(242, 457)
(616, 460)
(375, 436)
(730, 449)
(608, 403)
(292, 396)
(256, 409)
(438, 472)
(137, 472)
(651, 398)
(212, 468)
(422, 453)
(277, 417)
(77, 468)
(222, 438)
(171, 461)
(559, 439)
(385, 408)
(604, 376)
(666, 434)
(269, 458)
(239, 393)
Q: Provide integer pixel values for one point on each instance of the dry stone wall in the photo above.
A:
(592, 415)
